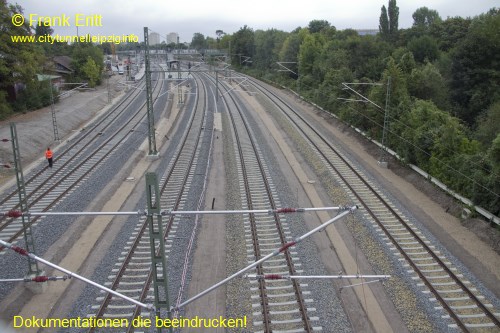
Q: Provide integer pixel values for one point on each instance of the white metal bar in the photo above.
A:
(48, 278)
(363, 97)
(254, 276)
(270, 255)
(75, 275)
(178, 212)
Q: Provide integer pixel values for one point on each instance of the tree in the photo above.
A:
(383, 26)
(406, 60)
(198, 41)
(450, 32)
(389, 21)
(318, 26)
(219, 34)
(424, 17)
(309, 56)
(19, 62)
(488, 124)
(426, 83)
(476, 67)
(393, 13)
(91, 72)
(81, 53)
(43, 30)
(424, 48)
(267, 46)
(494, 154)
(243, 46)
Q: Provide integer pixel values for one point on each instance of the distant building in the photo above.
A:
(62, 65)
(172, 37)
(154, 38)
(364, 32)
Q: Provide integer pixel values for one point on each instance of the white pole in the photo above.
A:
(270, 255)
(71, 274)
(17, 213)
(291, 277)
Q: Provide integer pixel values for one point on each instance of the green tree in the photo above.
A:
(219, 34)
(398, 103)
(423, 48)
(19, 62)
(368, 56)
(476, 67)
(450, 32)
(267, 47)
(43, 30)
(310, 72)
(406, 60)
(424, 17)
(389, 21)
(494, 154)
(290, 50)
(383, 26)
(198, 41)
(92, 72)
(318, 26)
(393, 13)
(81, 53)
(426, 82)
(243, 46)
(488, 124)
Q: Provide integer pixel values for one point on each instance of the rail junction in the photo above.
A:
(206, 121)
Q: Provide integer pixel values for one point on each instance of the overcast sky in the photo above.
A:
(205, 16)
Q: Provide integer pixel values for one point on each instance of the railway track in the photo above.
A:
(74, 164)
(279, 306)
(132, 275)
(464, 306)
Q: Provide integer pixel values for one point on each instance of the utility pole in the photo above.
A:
(53, 112)
(33, 269)
(383, 150)
(382, 162)
(149, 98)
(156, 238)
(286, 69)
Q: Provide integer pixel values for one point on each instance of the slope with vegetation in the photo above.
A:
(21, 62)
(444, 105)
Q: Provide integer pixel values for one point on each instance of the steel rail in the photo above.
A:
(435, 257)
(67, 175)
(291, 268)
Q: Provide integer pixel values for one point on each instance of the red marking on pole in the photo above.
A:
(286, 210)
(40, 279)
(286, 246)
(14, 213)
(5, 140)
(19, 250)
(273, 276)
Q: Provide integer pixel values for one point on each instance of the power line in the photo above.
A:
(428, 154)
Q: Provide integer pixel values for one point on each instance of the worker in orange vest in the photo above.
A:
(48, 155)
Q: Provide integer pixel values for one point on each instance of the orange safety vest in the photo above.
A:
(48, 154)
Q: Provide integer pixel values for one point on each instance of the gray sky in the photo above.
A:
(204, 16)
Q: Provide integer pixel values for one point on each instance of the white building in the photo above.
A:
(172, 37)
(154, 38)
